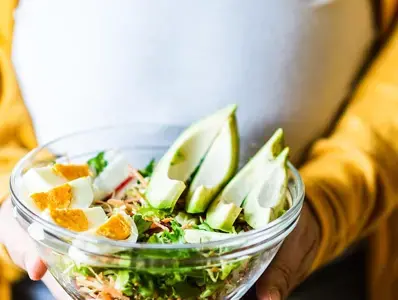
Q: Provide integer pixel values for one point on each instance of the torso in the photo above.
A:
(91, 63)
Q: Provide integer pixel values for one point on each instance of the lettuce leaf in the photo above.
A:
(98, 163)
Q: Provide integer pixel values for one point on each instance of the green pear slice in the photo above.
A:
(196, 236)
(264, 202)
(223, 211)
(221, 215)
(219, 165)
(182, 159)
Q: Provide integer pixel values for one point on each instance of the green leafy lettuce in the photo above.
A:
(176, 235)
(148, 170)
(142, 225)
(98, 163)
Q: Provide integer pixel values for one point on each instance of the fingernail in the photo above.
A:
(274, 295)
(33, 266)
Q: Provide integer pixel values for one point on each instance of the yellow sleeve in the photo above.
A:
(16, 132)
(388, 12)
(352, 177)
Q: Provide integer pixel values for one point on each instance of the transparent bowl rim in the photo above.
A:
(271, 230)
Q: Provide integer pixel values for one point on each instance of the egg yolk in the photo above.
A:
(71, 172)
(116, 228)
(58, 197)
(70, 218)
(41, 200)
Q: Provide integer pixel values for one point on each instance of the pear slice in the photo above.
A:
(219, 165)
(222, 215)
(264, 202)
(223, 211)
(183, 158)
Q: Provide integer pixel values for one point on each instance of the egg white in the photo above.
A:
(38, 180)
(82, 192)
(78, 250)
(41, 179)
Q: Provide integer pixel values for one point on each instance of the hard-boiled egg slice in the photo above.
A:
(77, 219)
(58, 197)
(71, 171)
(82, 192)
(77, 193)
(41, 179)
(118, 226)
(115, 173)
(45, 178)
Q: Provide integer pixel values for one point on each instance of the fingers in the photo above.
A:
(23, 251)
(19, 245)
(275, 283)
(293, 261)
(272, 295)
(34, 266)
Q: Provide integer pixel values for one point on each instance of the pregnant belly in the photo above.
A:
(95, 63)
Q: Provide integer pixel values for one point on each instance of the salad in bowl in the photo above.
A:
(151, 212)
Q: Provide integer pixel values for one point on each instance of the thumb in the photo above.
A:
(275, 283)
(293, 261)
(18, 245)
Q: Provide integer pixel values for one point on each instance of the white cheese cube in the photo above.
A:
(112, 176)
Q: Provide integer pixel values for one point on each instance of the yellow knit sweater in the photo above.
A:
(351, 177)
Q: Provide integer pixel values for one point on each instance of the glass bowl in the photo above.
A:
(214, 270)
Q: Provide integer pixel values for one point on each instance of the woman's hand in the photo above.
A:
(293, 261)
(23, 251)
(18, 244)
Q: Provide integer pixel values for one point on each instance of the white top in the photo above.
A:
(286, 63)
